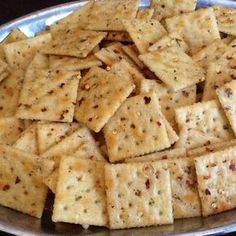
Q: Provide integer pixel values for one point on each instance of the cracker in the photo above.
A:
(132, 52)
(169, 100)
(198, 28)
(174, 67)
(51, 181)
(157, 156)
(144, 33)
(170, 40)
(185, 197)
(73, 63)
(18, 190)
(168, 8)
(227, 98)
(97, 100)
(50, 134)
(226, 19)
(202, 123)
(214, 147)
(217, 181)
(4, 70)
(138, 195)
(145, 13)
(10, 130)
(220, 72)
(137, 128)
(210, 53)
(48, 95)
(19, 54)
(107, 15)
(120, 36)
(112, 54)
(77, 43)
(80, 194)
(27, 141)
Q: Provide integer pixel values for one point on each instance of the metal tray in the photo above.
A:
(19, 224)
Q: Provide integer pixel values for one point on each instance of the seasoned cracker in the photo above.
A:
(217, 181)
(185, 197)
(138, 195)
(227, 97)
(198, 28)
(145, 13)
(144, 33)
(136, 129)
(174, 67)
(202, 124)
(106, 15)
(97, 99)
(80, 194)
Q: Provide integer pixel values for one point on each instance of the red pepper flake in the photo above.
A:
(17, 180)
(147, 100)
(232, 166)
(164, 157)
(147, 183)
(207, 191)
(206, 177)
(190, 183)
(80, 101)
(6, 187)
(159, 123)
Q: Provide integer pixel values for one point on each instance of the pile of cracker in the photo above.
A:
(128, 115)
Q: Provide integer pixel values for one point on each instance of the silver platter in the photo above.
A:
(19, 224)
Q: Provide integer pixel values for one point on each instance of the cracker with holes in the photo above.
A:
(19, 54)
(198, 28)
(107, 15)
(73, 63)
(174, 67)
(227, 97)
(169, 100)
(168, 154)
(167, 8)
(120, 36)
(144, 33)
(138, 195)
(214, 147)
(226, 19)
(28, 140)
(77, 43)
(201, 124)
(136, 129)
(80, 194)
(49, 134)
(216, 175)
(4, 70)
(48, 95)
(170, 40)
(97, 99)
(185, 198)
(145, 13)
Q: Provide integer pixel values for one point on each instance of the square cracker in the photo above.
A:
(226, 19)
(210, 53)
(168, 8)
(157, 156)
(80, 194)
(144, 33)
(19, 54)
(49, 134)
(4, 70)
(48, 95)
(216, 176)
(171, 40)
(145, 13)
(220, 72)
(137, 128)
(138, 195)
(77, 43)
(169, 100)
(18, 190)
(174, 67)
(198, 28)
(214, 147)
(227, 98)
(73, 63)
(106, 15)
(202, 123)
(185, 197)
(28, 141)
(97, 99)
(10, 129)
